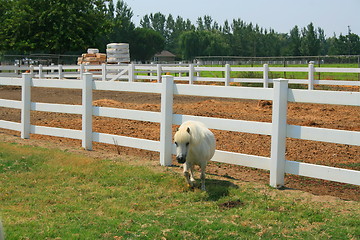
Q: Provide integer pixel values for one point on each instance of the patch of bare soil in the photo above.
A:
(322, 116)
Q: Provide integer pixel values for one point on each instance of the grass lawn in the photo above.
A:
(290, 75)
(53, 194)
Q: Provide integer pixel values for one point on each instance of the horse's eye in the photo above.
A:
(176, 144)
(187, 144)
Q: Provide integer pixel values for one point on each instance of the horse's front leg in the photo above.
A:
(188, 173)
(192, 179)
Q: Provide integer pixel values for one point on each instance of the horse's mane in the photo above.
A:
(197, 132)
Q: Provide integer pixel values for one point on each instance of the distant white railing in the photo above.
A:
(279, 130)
(183, 72)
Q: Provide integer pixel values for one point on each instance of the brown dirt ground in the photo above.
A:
(317, 115)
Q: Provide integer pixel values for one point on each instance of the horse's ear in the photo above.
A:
(188, 130)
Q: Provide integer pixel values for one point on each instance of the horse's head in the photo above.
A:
(182, 141)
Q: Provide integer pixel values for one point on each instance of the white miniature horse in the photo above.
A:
(195, 145)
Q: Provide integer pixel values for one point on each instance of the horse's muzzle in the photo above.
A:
(181, 159)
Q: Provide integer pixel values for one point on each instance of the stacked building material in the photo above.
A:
(92, 57)
(118, 53)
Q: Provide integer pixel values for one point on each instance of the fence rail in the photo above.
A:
(184, 72)
(278, 129)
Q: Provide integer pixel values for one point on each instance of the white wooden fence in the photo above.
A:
(185, 72)
(279, 130)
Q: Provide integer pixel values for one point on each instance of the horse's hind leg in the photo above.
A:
(202, 177)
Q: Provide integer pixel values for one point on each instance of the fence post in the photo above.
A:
(180, 73)
(82, 70)
(52, 71)
(41, 71)
(311, 76)
(87, 82)
(25, 105)
(278, 133)
(131, 72)
(150, 73)
(32, 71)
(16, 71)
(166, 120)
(191, 74)
(61, 73)
(159, 72)
(198, 72)
(266, 76)
(103, 71)
(227, 74)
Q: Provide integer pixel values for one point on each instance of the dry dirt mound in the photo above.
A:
(107, 103)
(118, 104)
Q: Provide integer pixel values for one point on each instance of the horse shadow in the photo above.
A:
(217, 189)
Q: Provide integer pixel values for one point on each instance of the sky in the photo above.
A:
(334, 16)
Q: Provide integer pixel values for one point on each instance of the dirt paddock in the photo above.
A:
(316, 115)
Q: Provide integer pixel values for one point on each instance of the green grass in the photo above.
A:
(51, 194)
(287, 75)
(291, 75)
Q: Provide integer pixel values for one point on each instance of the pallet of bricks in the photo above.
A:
(92, 57)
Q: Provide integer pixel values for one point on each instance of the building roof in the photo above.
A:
(164, 53)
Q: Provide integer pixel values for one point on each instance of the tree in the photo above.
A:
(190, 45)
(200, 24)
(226, 29)
(294, 42)
(170, 34)
(217, 44)
(145, 43)
(169, 28)
(111, 10)
(121, 25)
(345, 45)
(52, 26)
(145, 22)
(202, 43)
(353, 43)
(158, 22)
(208, 21)
(242, 40)
(323, 47)
(310, 44)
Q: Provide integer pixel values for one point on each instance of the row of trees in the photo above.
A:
(72, 26)
(238, 38)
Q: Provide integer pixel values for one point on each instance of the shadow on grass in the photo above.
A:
(217, 189)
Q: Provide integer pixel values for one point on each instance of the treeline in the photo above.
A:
(238, 38)
(72, 26)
